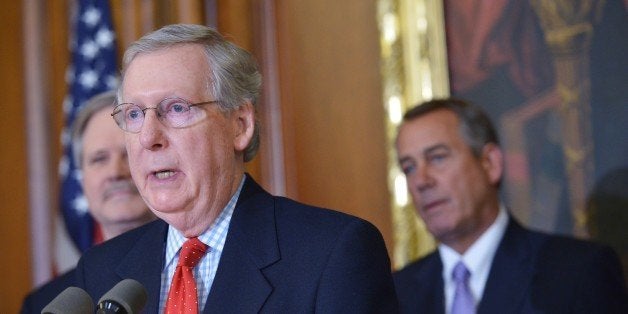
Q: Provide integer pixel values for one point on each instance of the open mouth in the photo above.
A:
(163, 174)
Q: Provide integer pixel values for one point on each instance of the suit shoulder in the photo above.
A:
(561, 248)
(37, 299)
(552, 247)
(254, 198)
(579, 273)
(285, 203)
(309, 216)
(420, 268)
(113, 248)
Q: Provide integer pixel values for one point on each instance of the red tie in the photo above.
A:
(182, 297)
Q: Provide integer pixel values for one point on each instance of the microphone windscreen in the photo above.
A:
(72, 300)
(129, 293)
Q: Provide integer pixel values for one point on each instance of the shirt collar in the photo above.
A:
(480, 254)
(214, 237)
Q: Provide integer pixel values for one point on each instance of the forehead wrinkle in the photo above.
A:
(162, 74)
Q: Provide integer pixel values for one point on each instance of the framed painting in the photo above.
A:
(552, 76)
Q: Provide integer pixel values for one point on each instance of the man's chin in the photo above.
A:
(165, 212)
(439, 230)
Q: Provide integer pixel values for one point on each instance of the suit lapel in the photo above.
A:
(239, 285)
(436, 292)
(511, 273)
(148, 272)
(429, 280)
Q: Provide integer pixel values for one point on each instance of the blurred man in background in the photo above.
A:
(486, 261)
(113, 199)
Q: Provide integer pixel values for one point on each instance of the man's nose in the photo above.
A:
(422, 179)
(119, 167)
(152, 131)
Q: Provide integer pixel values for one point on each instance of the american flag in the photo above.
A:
(92, 70)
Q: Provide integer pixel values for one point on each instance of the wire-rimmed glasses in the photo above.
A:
(172, 112)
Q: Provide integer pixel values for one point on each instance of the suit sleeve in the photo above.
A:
(602, 288)
(357, 276)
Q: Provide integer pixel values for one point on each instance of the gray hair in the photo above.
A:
(233, 77)
(92, 106)
(475, 126)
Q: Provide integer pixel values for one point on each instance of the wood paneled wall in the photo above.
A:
(331, 103)
(326, 104)
(15, 260)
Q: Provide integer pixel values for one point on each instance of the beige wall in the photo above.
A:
(329, 98)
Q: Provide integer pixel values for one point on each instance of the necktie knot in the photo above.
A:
(460, 273)
(191, 252)
(183, 294)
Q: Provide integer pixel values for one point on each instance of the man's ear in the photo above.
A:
(493, 162)
(244, 124)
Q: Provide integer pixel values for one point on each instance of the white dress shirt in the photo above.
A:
(478, 259)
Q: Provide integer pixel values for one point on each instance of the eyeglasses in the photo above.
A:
(172, 112)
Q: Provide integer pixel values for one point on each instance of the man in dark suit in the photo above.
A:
(486, 262)
(114, 201)
(187, 105)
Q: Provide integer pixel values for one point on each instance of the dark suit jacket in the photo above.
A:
(279, 257)
(531, 273)
(35, 301)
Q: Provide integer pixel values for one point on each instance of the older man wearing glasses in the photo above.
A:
(223, 245)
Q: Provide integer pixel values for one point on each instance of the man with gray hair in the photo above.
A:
(486, 262)
(114, 201)
(187, 104)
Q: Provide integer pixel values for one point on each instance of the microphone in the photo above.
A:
(126, 297)
(72, 300)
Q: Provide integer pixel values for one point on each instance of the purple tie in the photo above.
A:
(463, 300)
